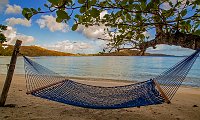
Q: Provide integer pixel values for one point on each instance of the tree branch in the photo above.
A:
(178, 39)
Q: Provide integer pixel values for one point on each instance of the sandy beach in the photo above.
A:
(185, 106)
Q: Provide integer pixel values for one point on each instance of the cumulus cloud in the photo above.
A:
(3, 3)
(94, 32)
(13, 9)
(170, 50)
(12, 35)
(50, 22)
(68, 46)
(18, 21)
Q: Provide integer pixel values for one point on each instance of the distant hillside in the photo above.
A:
(127, 53)
(32, 51)
(38, 51)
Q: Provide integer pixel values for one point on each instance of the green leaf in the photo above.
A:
(197, 2)
(196, 26)
(197, 32)
(138, 17)
(39, 9)
(118, 14)
(27, 9)
(62, 14)
(80, 19)
(150, 5)
(94, 12)
(143, 4)
(46, 5)
(24, 12)
(131, 1)
(129, 35)
(54, 2)
(184, 12)
(74, 27)
(137, 7)
(82, 9)
(187, 2)
(93, 2)
(124, 2)
(76, 16)
(27, 13)
(59, 20)
(140, 36)
(128, 16)
(188, 21)
(81, 1)
(171, 4)
(103, 3)
(2, 38)
(106, 16)
(34, 11)
(28, 16)
(194, 6)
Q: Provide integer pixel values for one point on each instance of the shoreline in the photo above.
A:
(91, 79)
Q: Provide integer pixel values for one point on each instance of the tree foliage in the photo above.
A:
(126, 21)
(2, 37)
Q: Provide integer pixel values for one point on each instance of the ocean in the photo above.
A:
(136, 68)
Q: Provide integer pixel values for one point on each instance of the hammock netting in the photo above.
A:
(43, 82)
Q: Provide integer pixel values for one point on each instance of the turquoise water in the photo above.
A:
(137, 68)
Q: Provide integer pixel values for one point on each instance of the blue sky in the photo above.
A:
(42, 30)
(51, 36)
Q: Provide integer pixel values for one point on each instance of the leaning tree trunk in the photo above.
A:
(178, 39)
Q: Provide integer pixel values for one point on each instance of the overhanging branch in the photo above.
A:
(178, 39)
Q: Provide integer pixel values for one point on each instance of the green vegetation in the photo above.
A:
(175, 22)
(38, 51)
(32, 51)
(126, 53)
(2, 37)
(120, 53)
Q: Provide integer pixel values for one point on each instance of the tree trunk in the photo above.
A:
(178, 39)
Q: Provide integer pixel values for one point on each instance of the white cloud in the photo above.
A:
(68, 46)
(15, 21)
(12, 35)
(50, 22)
(167, 6)
(13, 9)
(170, 50)
(3, 3)
(103, 13)
(95, 31)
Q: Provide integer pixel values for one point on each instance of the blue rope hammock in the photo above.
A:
(44, 83)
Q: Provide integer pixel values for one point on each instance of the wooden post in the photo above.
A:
(161, 92)
(10, 73)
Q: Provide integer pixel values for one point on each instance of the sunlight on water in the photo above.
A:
(137, 68)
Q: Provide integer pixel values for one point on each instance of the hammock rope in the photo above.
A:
(171, 79)
(45, 83)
